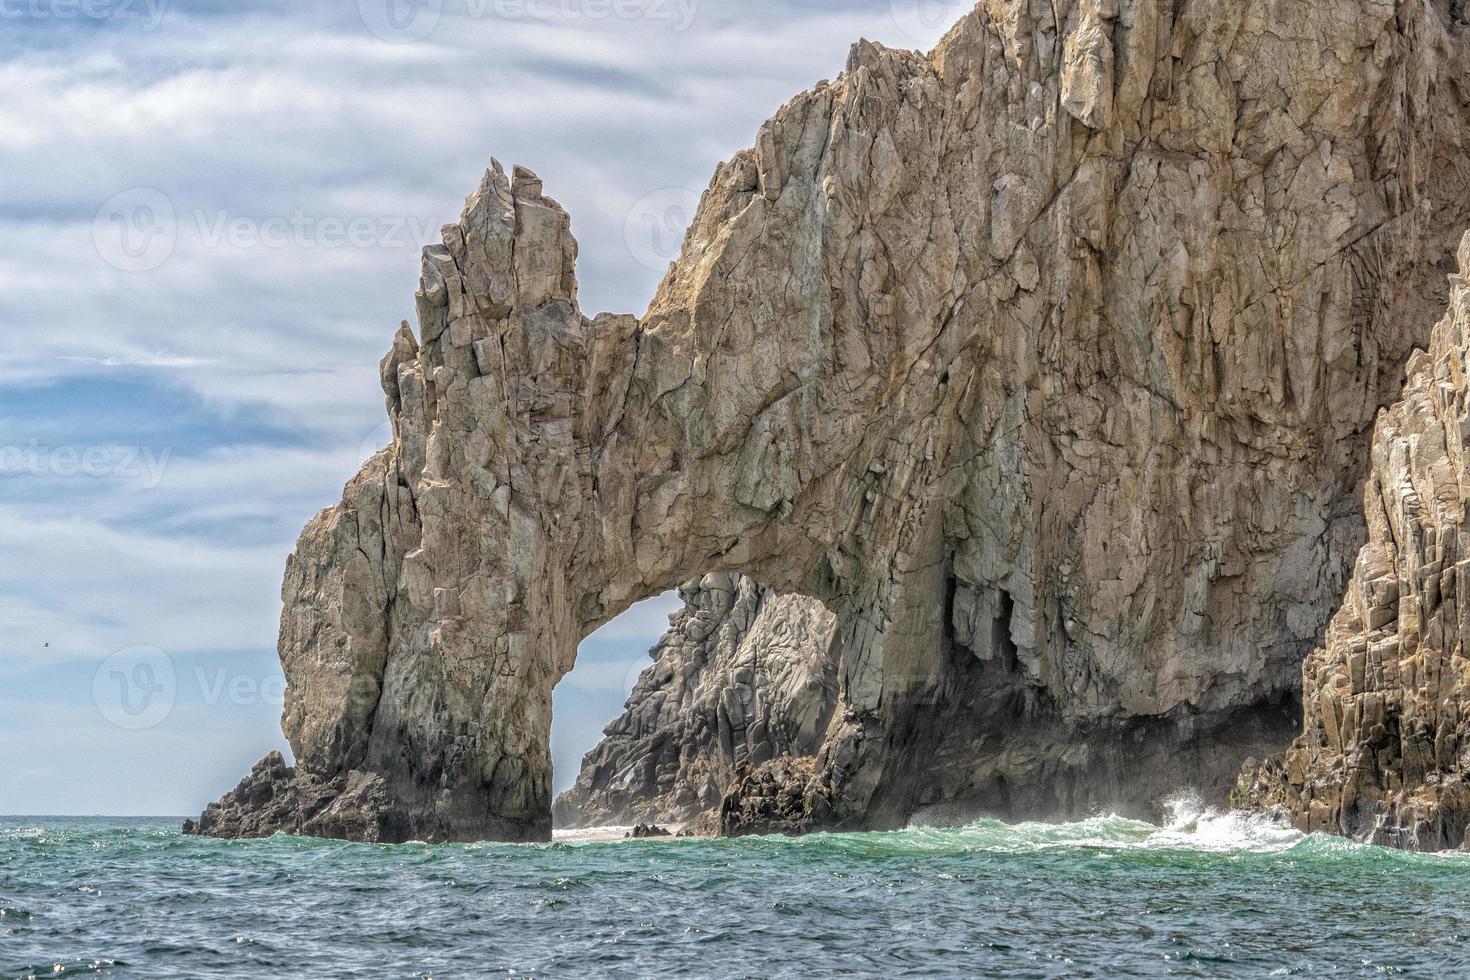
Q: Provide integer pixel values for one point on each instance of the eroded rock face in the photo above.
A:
(744, 676)
(1384, 755)
(1045, 362)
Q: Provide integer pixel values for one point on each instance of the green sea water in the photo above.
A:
(1206, 895)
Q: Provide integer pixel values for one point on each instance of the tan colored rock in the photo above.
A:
(1050, 378)
(1087, 65)
(1383, 753)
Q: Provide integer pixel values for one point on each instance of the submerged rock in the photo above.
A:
(276, 799)
(1384, 755)
(1044, 364)
(648, 831)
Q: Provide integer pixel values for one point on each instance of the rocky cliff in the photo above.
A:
(743, 677)
(1385, 751)
(1046, 363)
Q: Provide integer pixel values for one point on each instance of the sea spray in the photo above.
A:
(1186, 823)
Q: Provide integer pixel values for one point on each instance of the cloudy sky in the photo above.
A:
(209, 225)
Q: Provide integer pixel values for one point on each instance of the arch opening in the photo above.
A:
(744, 678)
(596, 691)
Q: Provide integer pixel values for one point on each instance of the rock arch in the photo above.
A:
(1045, 362)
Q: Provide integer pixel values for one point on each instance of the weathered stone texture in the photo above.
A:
(743, 677)
(1045, 362)
(1385, 751)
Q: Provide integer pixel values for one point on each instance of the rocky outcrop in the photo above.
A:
(786, 795)
(277, 799)
(1045, 362)
(743, 677)
(1384, 755)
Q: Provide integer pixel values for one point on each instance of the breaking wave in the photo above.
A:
(1188, 826)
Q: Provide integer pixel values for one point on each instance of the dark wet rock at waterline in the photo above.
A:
(648, 832)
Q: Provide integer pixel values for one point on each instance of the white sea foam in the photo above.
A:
(590, 835)
(1187, 825)
(606, 835)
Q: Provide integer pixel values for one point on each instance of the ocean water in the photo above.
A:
(1205, 895)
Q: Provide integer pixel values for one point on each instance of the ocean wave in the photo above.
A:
(592, 835)
(1204, 889)
(1192, 825)
(1188, 826)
